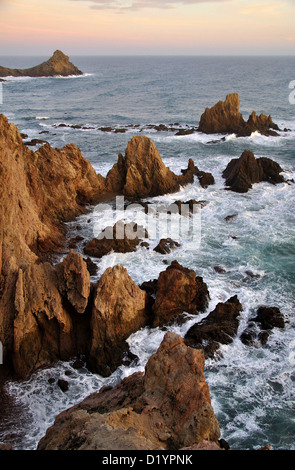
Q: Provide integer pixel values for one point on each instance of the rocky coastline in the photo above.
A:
(54, 312)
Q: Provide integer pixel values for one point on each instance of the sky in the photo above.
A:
(147, 27)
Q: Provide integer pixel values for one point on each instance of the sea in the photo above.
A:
(252, 388)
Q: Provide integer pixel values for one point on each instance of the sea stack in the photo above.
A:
(58, 65)
(225, 118)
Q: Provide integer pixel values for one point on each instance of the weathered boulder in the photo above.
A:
(121, 238)
(225, 118)
(141, 172)
(167, 407)
(58, 64)
(241, 173)
(178, 290)
(119, 309)
(219, 327)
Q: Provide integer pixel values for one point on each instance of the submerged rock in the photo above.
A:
(225, 118)
(167, 407)
(58, 64)
(241, 173)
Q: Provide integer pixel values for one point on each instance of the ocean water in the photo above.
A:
(252, 388)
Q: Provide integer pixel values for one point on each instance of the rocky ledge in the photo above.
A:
(58, 64)
(225, 118)
(166, 407)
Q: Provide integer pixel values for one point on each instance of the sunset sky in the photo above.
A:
(124, 27)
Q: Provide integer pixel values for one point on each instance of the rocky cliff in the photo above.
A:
(58, 64)
(39, 191)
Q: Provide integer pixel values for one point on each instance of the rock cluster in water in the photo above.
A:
(225, 118)
(58, 65)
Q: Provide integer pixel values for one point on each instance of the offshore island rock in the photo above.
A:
(225, 118)
(57, 65)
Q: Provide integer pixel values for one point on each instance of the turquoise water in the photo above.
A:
(252, 389)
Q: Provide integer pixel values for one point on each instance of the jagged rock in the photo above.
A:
(258, 329)
(63, 385)
(205, 179)
(141, 172)
(186, 208)
(39, 191)
(120, 308)
(225, 118)
(91, 266)
(58, 64)
(45, 326)
(74, 281)
(178, 290)
(241, 173)
(167, 407)
(122, 238)
(219, 327)
(270, 317)
(166, 245)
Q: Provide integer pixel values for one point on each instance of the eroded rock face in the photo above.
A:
(58, 64)
(179, 290)
(219, 327)
(44, 326)
(167, 407)
(142, 173)
(225, 118)
(39, 191)
(241, 173)
(119, 309)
